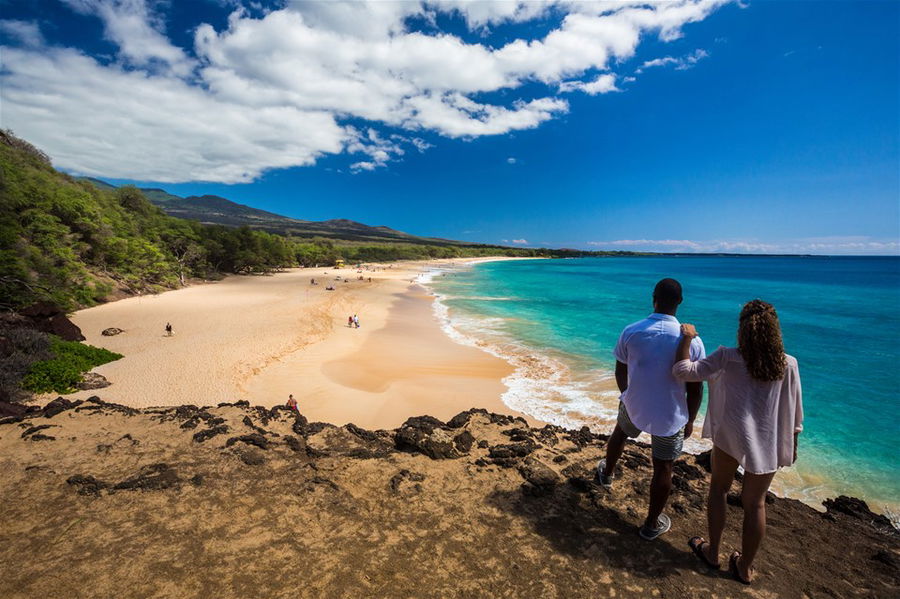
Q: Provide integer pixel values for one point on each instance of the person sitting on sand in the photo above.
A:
(754, 417)
(168, 329)
(652, 400)
(292, 403)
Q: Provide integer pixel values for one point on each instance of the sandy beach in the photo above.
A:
(260, 338)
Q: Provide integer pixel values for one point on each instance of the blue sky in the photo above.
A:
(688, 126)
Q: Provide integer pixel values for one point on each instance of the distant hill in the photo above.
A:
(211, 209)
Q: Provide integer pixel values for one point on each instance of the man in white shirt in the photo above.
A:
(652, 400)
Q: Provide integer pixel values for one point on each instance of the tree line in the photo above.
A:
(66, 241)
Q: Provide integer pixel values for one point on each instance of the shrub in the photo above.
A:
(22, 346)
(63, 371)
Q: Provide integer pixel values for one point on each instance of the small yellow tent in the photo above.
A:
(339, 263)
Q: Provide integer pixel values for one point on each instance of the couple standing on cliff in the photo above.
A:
(753, 418)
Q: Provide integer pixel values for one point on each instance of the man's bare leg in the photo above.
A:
(660, 487)
(614, 448)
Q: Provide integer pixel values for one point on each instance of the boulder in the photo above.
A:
(111, 332)
(432, 437)
(48, 318)
(859, 509)
(210, 433)
(14, 410)
(251, 439)
(92, 380)
(541, 476)
(60, 404)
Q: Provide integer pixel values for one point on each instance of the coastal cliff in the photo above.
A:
(102, 500)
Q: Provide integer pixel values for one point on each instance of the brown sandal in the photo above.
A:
(733, 568)
(696, 544)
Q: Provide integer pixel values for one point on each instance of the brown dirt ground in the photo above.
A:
(324, 511)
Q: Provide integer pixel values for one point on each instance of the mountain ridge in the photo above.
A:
(217, 210)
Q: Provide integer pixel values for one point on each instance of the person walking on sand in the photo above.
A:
(754, 418)
(168, 329)
(350, 321)
(652, 400)
(356, 320)
(292, 403)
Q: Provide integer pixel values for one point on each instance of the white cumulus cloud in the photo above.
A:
(280, 88)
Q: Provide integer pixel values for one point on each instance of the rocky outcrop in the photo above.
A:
(92, 380)
(48, 318)
(858, 509)
(480, 506)
(433, 438)
(111, 332)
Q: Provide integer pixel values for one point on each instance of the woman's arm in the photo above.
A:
(701, 370)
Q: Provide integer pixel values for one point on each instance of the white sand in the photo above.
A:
(260, 338)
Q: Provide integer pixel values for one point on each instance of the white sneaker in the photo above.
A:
(663, 524)
(600, 478)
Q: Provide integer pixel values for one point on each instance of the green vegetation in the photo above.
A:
(75, 241)
(69, 361)
(67, 241)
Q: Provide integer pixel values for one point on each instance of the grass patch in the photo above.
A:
(63, 371)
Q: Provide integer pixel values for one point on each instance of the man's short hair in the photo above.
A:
(667, 292)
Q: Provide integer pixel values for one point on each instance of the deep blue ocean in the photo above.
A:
(560, 319)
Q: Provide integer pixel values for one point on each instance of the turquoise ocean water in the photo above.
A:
(558, 320)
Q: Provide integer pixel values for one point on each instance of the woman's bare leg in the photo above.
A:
(753, 498)
(723, 469)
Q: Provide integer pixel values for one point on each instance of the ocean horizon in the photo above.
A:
(557, 322)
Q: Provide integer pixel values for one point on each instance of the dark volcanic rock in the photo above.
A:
(581, 437)
(362, 433)
(34, 429)
(87, 485)
(519, 434)
(111, 331)
(60, 404)
(92, 380)
(857, 508)
(430, 436)
(48, 318)
(252, 439)
(464, 441)
(154, 477)
(16, 411)
(512, 450)
(634, 459)
(40, 437)
(704, 460)
(249, 423)
(301, 425)
(296, 444)
(210, 433)
(541, 476)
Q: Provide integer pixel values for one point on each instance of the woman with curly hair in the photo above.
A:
(754, 416)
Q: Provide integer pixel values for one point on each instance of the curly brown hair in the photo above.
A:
(759, 341)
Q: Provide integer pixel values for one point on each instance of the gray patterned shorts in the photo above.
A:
(662, 448)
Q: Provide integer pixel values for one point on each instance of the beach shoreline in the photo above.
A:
(544, 379)
(261, 338)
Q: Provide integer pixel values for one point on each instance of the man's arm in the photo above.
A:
(694, 396)
(621, 376)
